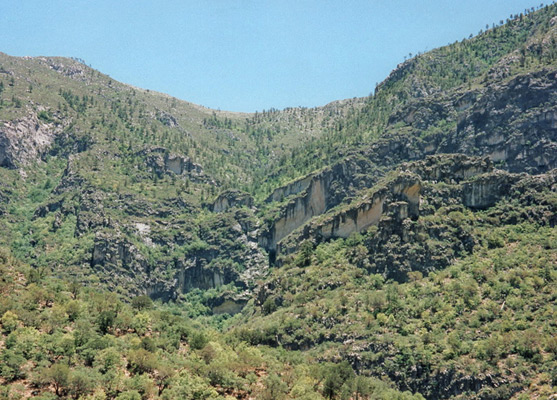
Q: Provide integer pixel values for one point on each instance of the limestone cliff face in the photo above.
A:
(449, 167)
(225, 252)
(369, 211)
(393, 247)
(470, 181)
(161, 162)
(118, 262)
(232, 255)
(319, 192)
(402, 193)
(303, 208)
(231, 198)
(331, 186)
(486, 190)
(295, 187)
(314, 195)
(514, 123)
(26, 139)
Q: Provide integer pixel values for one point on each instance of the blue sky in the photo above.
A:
(245, 55)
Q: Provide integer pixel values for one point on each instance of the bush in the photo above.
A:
(269, 306)
(198, 340)
(142, 302)
(9, 321)
(82, 381)
(11, 365)
(141, 361)
(45, 116)
(129, 395)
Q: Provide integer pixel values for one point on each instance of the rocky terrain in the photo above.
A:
(299, 221)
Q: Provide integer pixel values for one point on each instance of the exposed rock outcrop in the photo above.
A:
(161, 161)
(295, 187)
(25, 140)
(328, 188)
(73, 69)
(393, 248)
(167, 119)
(119, 263)
(231, 198)
(402, 193)
(229, 253)
(514, 123)
(449, 168)
(222, 251)
(453, 181)
(314, 195)
(486, 190)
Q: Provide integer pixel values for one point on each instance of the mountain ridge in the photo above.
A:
(386, 236)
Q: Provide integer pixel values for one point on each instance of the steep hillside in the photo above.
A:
(104, 177)
(441, 290)
(404, 241)
(425, 97)
(61, 340)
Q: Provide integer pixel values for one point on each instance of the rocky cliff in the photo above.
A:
(222, 252)
(231, 198)
(144, 168)
(314, 194)
(401, 193)
(27, 139)
(161, 161)
(513, 122)
(510, 121)
(393, 205)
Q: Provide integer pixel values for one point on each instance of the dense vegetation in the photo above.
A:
(138, 256)
(486, 317)
(63, 340)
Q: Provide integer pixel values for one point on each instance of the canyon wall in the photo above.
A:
(402, 193)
